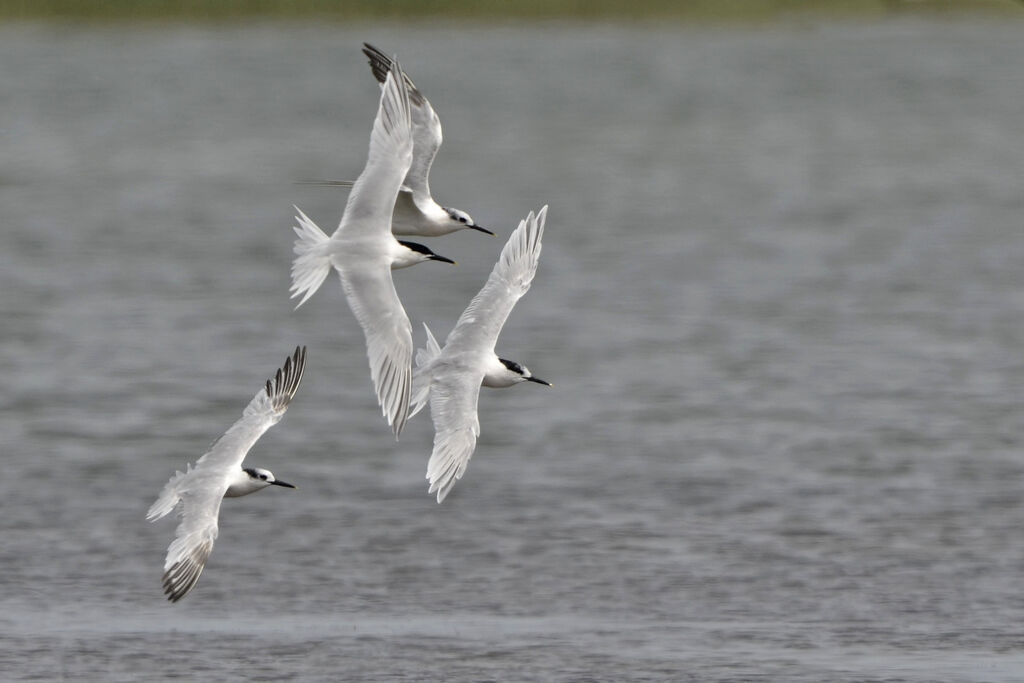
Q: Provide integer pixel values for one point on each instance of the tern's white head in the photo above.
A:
(252, 479)
(464, 220)
(509, 373)
(414, 253)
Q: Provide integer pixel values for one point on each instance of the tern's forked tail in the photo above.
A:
(421, 377)
(169, 496)
(312, 264)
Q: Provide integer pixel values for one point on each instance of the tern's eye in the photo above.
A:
(462, 219)
(263, 477)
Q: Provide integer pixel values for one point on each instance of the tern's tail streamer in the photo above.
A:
(311, 264)
(421, 378)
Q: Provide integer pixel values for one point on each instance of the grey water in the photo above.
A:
(781, 300)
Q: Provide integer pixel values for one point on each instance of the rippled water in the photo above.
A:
(781, 300)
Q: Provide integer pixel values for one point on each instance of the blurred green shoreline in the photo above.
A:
(704, 11)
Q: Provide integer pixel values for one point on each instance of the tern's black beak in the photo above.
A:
(538, 380)
(278, 482)
(445, 259)
(483, 230)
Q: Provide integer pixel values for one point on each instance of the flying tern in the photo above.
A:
(219, 474)
(451, 376)
(416, 212)
(363, 251)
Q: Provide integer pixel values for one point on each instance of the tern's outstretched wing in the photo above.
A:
(371, 295)
(202, 488)
(480, 324)
(364, 266)
(193, 543)
(372, 200)
(453, 399)
(426, 126)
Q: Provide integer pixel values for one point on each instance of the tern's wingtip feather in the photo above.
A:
(281, 389)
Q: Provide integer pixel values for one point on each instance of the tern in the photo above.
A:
(219, 474)
(416, 212)
(364, 251)
(452, 376)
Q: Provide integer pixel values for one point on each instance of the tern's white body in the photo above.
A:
(451, 377)
(219, 474)
(364, 251)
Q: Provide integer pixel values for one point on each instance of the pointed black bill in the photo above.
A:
(445, 259)
(278, 482)
(538, 380)
(483, 230)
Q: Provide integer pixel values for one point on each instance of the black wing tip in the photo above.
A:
(180, 579)
(373, 52)
(286, 381)
(174, 594)
(380, 63)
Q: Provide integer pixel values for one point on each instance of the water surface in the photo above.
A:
(781, 300)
